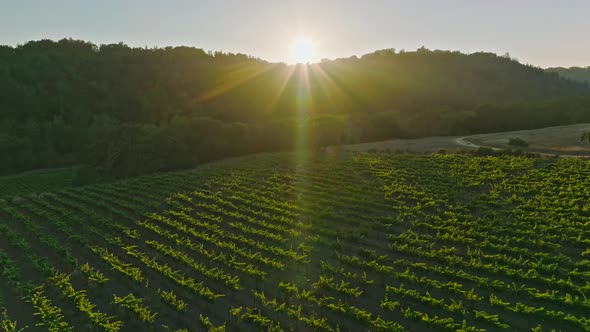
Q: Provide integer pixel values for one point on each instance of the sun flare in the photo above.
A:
(303, 50)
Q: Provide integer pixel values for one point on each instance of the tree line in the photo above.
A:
(580, 74)
(125, 111)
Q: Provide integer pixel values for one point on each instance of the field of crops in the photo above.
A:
(36, 181)
(363, 242)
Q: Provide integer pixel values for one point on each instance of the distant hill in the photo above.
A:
(578, 74)
(137, 110)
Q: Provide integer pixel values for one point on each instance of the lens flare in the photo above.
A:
(303, 50)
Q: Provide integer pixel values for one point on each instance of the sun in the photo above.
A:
(303, 50)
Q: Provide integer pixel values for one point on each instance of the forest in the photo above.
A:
(579, 74)
(123, 111)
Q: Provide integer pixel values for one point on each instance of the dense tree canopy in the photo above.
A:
(579, 74)
(135, 110)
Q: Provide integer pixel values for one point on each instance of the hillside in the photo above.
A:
(36, 182)
(275, 242)
(578, 74)
(126, 111)
(560, 140)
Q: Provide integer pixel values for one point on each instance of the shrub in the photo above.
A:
(532, 155)
(483, 151)
(516, 141)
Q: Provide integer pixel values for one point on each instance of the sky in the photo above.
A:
(538, 32)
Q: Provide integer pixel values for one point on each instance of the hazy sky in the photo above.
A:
(540, 32)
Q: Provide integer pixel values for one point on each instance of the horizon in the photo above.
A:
(212, 52)
(542, 36)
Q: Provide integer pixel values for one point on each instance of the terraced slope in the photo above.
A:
(363, 242)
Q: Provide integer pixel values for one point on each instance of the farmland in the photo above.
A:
(270, 242)
(35, 181)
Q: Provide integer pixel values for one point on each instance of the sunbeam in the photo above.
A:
(287, 75)
(240, 74)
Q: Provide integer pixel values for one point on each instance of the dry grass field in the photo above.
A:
(562, 140)
(418, 145)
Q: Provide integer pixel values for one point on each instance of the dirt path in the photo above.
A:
(464, 142)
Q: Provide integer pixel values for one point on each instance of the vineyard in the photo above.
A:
(360, 242)
(37, 181)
